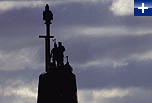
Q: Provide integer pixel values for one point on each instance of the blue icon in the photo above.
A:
(142, 7)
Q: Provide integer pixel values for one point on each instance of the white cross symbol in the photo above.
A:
(143, 8)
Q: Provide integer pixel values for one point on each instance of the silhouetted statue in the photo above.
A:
(60, 57)
(47, 14)
(54, 54)
(67, 65)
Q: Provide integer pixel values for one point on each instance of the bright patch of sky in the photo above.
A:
(122, 7)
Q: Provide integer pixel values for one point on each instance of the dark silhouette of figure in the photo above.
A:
(67, 66)
(47, 14)
(60, 57)
(54, 54)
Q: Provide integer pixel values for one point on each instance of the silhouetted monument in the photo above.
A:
(57, 84)
(47, 16)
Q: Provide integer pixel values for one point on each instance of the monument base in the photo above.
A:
(57, 86)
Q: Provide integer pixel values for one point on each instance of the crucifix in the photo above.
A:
(47, 16)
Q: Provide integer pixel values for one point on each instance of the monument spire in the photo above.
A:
(47, 16)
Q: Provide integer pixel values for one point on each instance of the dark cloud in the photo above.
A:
(94, 14)
(135, 74)
(90, 14)
(19, 86)
(136, 98)
(85, 49)
(19, 30)
(27, 75)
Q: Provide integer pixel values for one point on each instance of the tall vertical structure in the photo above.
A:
(47, 16)
(57, 84)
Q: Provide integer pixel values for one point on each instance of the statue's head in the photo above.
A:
(55, 45)
(47, 7)
(59, 43)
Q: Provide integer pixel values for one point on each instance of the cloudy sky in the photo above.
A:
(109, 49)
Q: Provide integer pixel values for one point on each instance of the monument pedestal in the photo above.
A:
(57, 86)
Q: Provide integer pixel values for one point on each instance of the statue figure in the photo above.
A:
(47, 15)
(54, 54)
(60, 55)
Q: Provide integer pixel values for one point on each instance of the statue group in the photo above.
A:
(57, 54)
